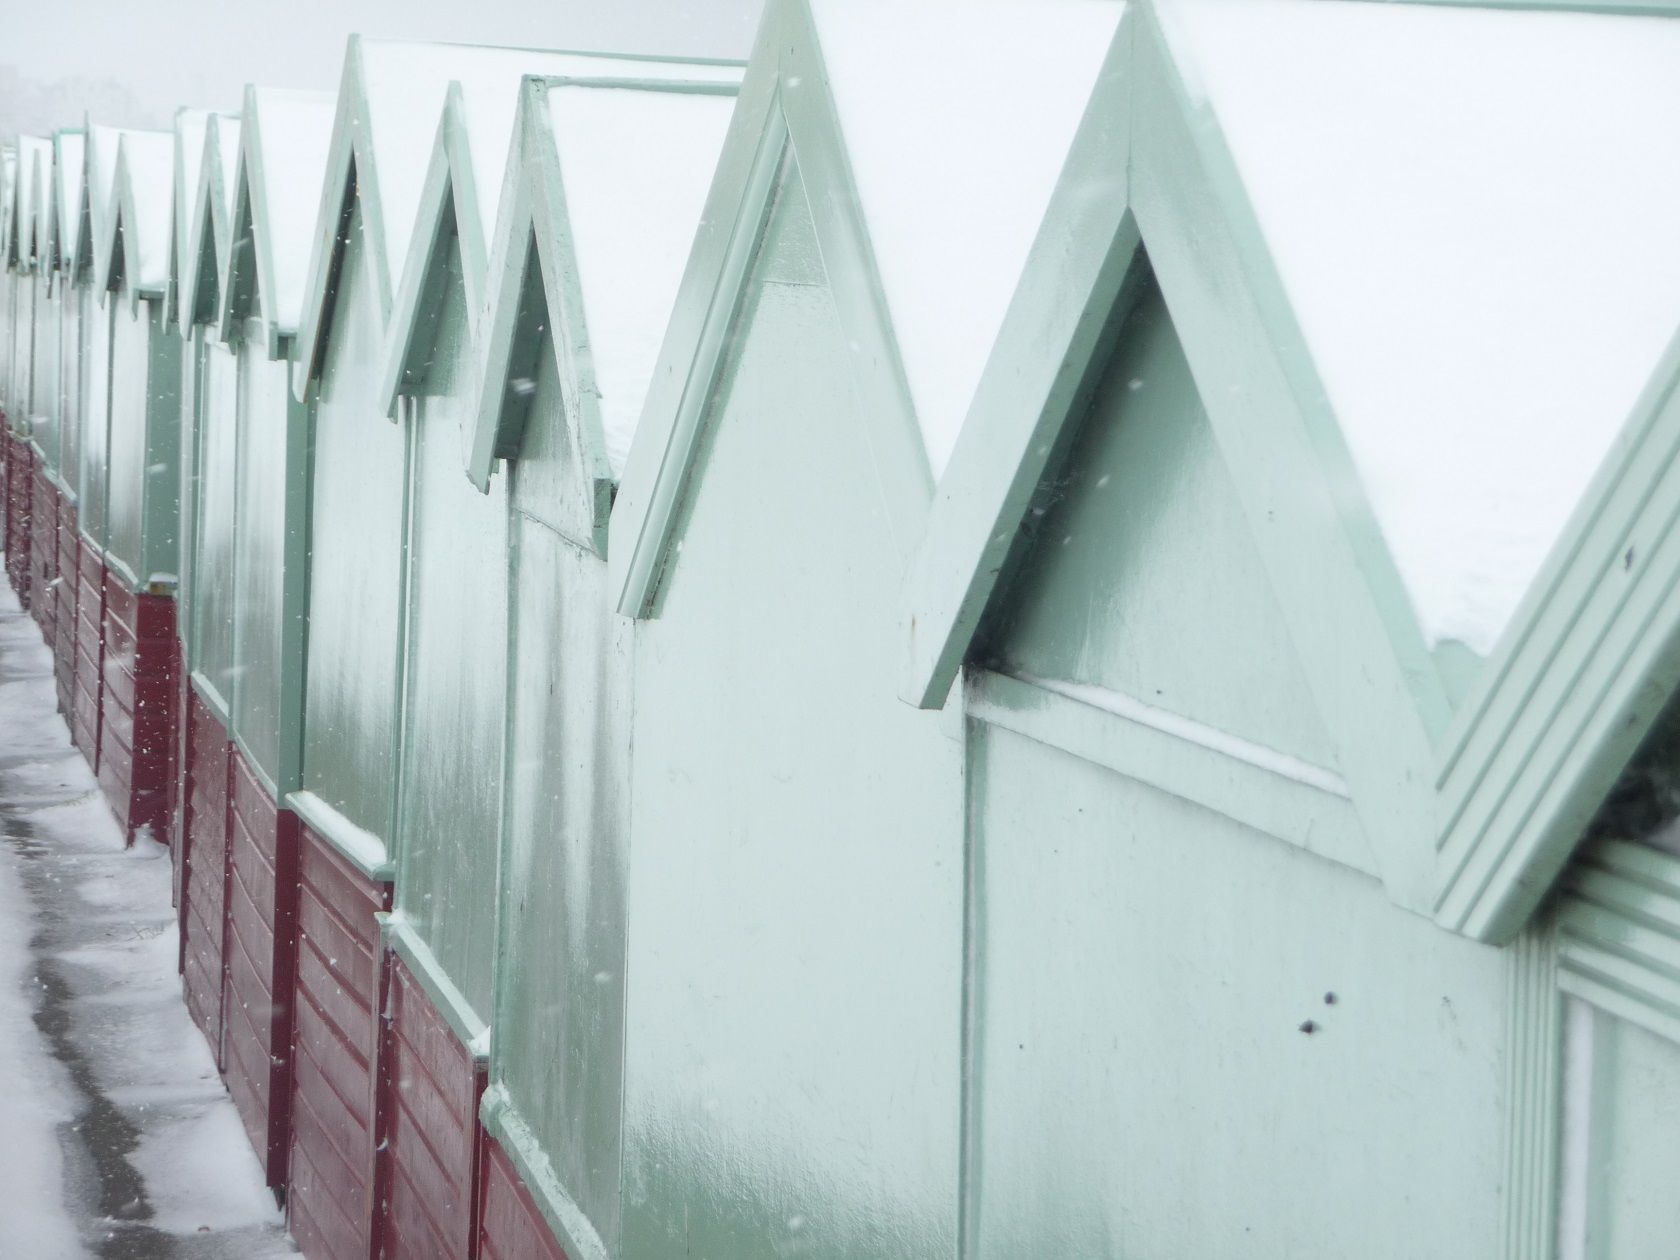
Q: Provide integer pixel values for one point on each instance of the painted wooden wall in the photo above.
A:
(1187, 1036)
(264, 407)
(193, 344)
(70, 383)
(792, 1052)
(23, 346)
(96, 414)
(46, 403)
(355, 567)
(214, 566)
(131, 355)
(557, 1054)
(449, 802)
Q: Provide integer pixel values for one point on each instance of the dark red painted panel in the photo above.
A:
(329, 1204)
(43, 554)
(137, 707)
(261, 944)
(69, 587)
(322, 1228)
(203, 909)
(511, 1226)
(20, 498)
(428, 1125)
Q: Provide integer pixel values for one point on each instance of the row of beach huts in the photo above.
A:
(1022, 628)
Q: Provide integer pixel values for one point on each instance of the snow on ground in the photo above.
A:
(33, 1218)
(119, 1140)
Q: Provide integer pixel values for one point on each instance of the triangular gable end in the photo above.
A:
(784, 103)
(191, 126)
(1420, 778)
(206, 243)
(557, 255)
(68, 200)
(268, 222)
(144, 185)
(1136, 593)
(1170, 190)
(527, 288)
(34, 154)
(447, 220)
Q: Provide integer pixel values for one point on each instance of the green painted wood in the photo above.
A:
(97, 320)
(1137, 571)
(1140, 1083)
(448, 822)
(70, 389)
(1315, 533)
(214, 562)
(783, 102)
(558, 1047)
(161, 474)
(188, 482)
(353, 668)
(1622, 1088)
(263, 421)
(130, 372)
(1593, 655)
(791, 1066)
(1076, 282)
(23, 350)
(46, 400)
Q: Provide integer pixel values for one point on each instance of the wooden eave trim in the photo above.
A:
(1297, 809)
(1036, 380)
(1575, 687)
(784, 106)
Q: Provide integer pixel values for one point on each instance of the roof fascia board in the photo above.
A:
(240, 270)
(1168, 49)
(206, 240)
(1592, 657)
(1368, 670)
(351, 174)
(493, 435)
(784, 105)
(1034, 383)
(696, 341)
(562, 286)
(449, 181)
(535, 227)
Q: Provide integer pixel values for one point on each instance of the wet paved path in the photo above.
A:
(151, 1161)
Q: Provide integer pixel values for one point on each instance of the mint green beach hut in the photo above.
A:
(204, 615)
(793, 1064)
(137, 712)
(253, 474)
(1297, 645)
(607, 173)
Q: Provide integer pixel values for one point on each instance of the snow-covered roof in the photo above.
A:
(957, 116)
(391, 98)
(145, 183)
(34, 164)
(636, 167)
(282, 158)
(71, 171)
(190, 128)
(1472, 213)
(210, 198)
(100, 184)
(489, 81)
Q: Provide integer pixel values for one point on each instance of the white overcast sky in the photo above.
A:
(203, 52)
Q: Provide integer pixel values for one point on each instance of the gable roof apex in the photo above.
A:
(391, 98)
